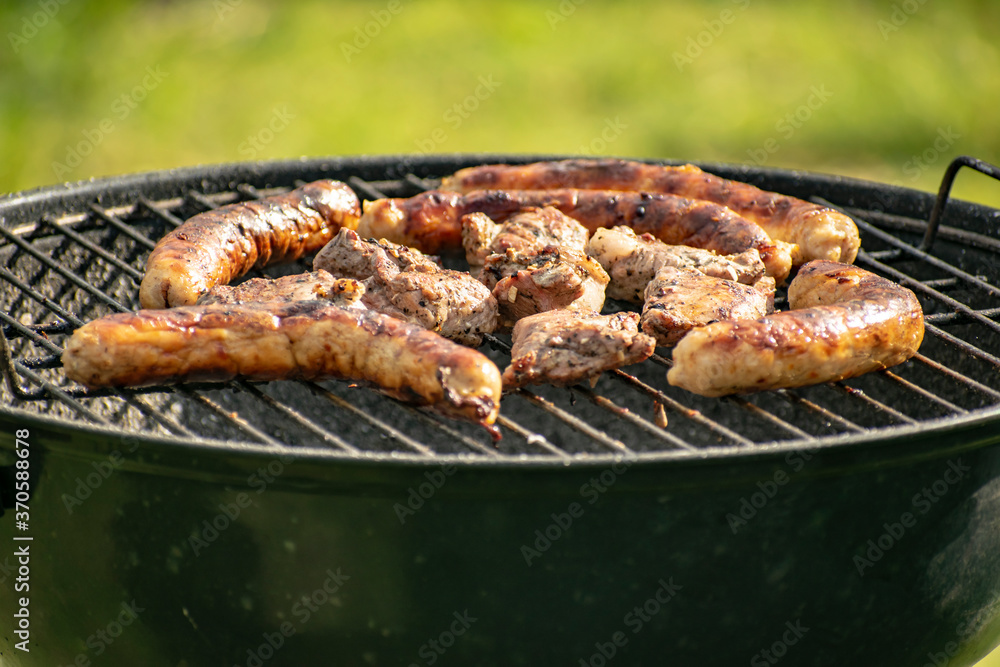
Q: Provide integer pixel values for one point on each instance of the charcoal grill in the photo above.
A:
(758, 507)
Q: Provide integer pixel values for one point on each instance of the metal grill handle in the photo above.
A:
(945, 190)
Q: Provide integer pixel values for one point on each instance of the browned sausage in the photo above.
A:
(819, 232)
(309, 340)
(432, 221)
(844, 322)
(217, 246)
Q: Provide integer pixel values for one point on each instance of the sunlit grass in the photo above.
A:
(561, 80)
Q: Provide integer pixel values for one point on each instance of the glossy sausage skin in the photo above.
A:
(431, 221)
(217, 246)
(818, 232)
(844, 322)
(306, 340)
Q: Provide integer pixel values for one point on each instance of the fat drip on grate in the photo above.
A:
(58, 272)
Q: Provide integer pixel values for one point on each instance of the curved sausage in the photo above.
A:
(217, 246)
(307, 340)
(844, 322)
(431, 221)
(819, 232)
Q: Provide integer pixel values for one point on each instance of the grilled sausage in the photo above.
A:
(844, 322)
(308, 340)
(818, 232)
(217, 246)
(432, 221)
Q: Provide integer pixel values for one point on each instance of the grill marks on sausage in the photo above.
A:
(307, 340)
(215, 247)
(817, 232)
(432, 221)
(844, 322)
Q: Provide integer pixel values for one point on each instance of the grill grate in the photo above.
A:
(61, 268)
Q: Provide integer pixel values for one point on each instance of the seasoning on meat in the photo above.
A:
(844, 322)
(632, 261)
(214, 247)
(535, 261)
(432, 221)
(564, 347)
(679, 300)
(816, 232)
(314, 286)
(306, 340)
(408, 285)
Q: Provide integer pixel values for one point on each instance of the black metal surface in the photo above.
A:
(76, 252)
(220, 509)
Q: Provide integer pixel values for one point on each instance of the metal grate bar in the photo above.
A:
(121, 226)
(634, 419)
(228, 416)
(968, 348)
(530, 437)
(954, 375)
(198, 197)
(66, 273)
(164, 215)
(610, 406)
(368, 190)
(96, 249)
(578, 424)
(869, 228)
(903, 224)
(151, 412)
(34, 295)
(764, 414)
(930, 396)
(436, 422)
(872, 402)
(391, 431)
(27, 332)
(747, 405)
(913, 283)
(46, 387)
(680, 408)
(793, 397)
(946, 318)
(941, 282)
(295, 416)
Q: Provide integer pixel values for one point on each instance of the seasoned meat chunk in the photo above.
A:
(404, 283)
(564, 347)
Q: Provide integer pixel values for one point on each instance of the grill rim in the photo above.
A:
(107, 192)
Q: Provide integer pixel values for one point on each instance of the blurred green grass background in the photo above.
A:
(885, 91)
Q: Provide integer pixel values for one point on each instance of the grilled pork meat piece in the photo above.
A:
(844, 322)
(432, 221)
(315, 286)
(306, 340)
(563, 347)
(530, 230)
(535, 261)
(214, 247)
(679, 300)
(817, 232)
(406, 284)
(524, 284)
(632, 261)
